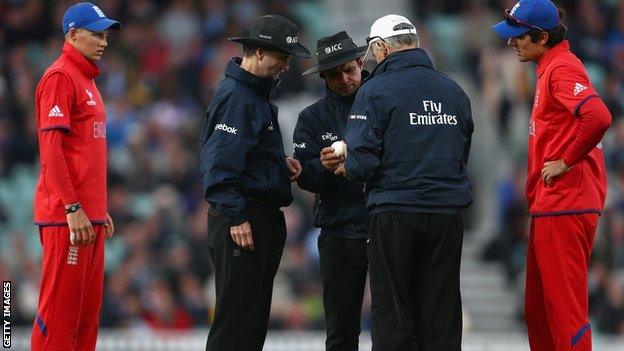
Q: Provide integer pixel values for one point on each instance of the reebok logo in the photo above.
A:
(225, 128)
(578, 87)
(55, 112)
(299, 146)
(72, 255)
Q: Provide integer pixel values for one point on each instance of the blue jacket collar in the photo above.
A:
(403, 59)
(264, 87)
(330, 95)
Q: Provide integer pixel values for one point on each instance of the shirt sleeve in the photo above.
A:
(55, 102)
(595, 119)
(363, 136)
(55, 165)
(572, 88)
(230, 132)
(314, 177)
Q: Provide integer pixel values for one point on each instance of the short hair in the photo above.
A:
(400, 40)
(555, 35)
(249, 50)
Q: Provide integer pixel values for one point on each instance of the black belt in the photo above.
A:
(263, 201)
(267, 201)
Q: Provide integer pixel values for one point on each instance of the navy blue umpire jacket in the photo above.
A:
(242, 153)
(339, 205)
(408, 137)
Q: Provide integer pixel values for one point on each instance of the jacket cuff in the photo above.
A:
(71, 201)
(238, 219)
(568, 161)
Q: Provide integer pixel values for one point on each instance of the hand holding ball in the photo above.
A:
(334, 155)
(339, 147)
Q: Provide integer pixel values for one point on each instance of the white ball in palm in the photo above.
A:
(339, 147)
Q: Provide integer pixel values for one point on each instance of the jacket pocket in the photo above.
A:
(573, 177)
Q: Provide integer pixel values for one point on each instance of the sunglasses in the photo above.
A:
(368, 45)
(512, 21)
(369, 39)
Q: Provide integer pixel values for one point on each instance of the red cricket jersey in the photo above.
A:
(562, 88)
(73, 164)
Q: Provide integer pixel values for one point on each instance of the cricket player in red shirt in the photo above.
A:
(566, 180)
(70, 196)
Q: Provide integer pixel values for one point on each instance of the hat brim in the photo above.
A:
(507, 31)
(102, 25)
(295, 50)
(340, 60)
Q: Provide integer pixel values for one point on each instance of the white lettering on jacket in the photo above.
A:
(225, 128)
(433, 115)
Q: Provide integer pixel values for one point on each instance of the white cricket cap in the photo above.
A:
(384, 27)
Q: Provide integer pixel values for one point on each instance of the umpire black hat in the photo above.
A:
(334, 51)
(273, 32)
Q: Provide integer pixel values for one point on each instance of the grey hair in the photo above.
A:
(401, 40)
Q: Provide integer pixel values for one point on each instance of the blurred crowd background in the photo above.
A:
(159, 73)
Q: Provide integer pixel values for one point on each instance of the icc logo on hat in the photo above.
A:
(333, 48)
(273, 32)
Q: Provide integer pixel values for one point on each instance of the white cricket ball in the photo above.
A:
(339, 147)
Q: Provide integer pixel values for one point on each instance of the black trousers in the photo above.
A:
(343, 267)
(244, 279)
(414, 261)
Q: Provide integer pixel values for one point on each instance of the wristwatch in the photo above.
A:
(73, 208)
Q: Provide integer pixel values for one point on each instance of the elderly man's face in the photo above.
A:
(345, 79)
(272, 63)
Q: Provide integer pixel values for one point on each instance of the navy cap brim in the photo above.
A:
(301, 51)
(102, 25)
(359, 52)
(297, 50)
(507, 31)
